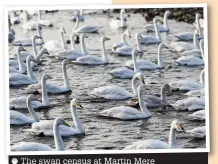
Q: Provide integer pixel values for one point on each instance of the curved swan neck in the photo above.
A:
(45, 99)
(104, 54)
(202, 77)
(157, 33)
(20, 63)
(39, 15)
(198, 26)
(76, 24)
(39, 32)
(59, 144)
(134, 85)
(172, 137)
(159, 57)
(136, 69)
(195, 41)
(123, 38)
(34, 46)
(79, 127)
(65, 76)
(122, 22)
(201, 49)
(138, 44)
(142, 104)
(83, 46)
(32, 111)
(29, 70)
(64, 46)
(81, 12)
(163, 95)
(166, 25)
(72, 41)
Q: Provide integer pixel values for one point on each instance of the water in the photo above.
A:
(108, 133)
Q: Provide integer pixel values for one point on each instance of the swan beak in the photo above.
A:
(79, 106)
(130, 36)
(22, 49)
(107, 38)
(66, 124)
(39, 37)
(34, 61)
(180, 127)
(143, 80)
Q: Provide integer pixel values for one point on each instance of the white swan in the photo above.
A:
(84, 28)
(94, 60)
(187, 85)
(28, 25)
(28, 41)
(196, 93)
(128, 113)
(198, 132)
(21, 79)
(127, 50)
(188, 36)
(44, 127)
(20, 102)
(21, 65)
(14, 18)
(79, 14)
(119, 24)
(148, 65)
(125, 73)
(54, 87)
(158, 144)
(161, 28)
(198, 115)
(11, 32)
(123, 41)
(54, 46)
(114, 92)
(72, 54)
(43, 22)
(184, 46)
(149, 40)
(190, 104)
(34, 146)
(17, 118)
(199, 22)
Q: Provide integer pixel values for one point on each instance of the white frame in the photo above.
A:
(207, 149)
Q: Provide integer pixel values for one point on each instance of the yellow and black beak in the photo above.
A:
(79, 106)
(143, 80)
(106, 38)
(180, 127)
(66, 124)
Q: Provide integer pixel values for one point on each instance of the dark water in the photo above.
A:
(106, 133)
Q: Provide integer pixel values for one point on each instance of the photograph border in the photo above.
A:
(67, 7)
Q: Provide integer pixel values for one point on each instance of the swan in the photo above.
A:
(125, 73)
(34, 146)
(153, 101)
(43, 22)
(21, 79)
(149, 40)
(21, 65)
(184, 46)
(161, 28)
(53, 87)
(187, 85)
(84, 28)
(14, 19)
(17, 118)
(28, 41)
(119, 24)
(199, 22)
(20, 102)
(190, 104)
(196, 93)
(113, 92)
(54, 46)
(158, 144)
(44, 127)
(148, 65)
(79, 14)
(28, 25)
(188, 36)
(195, 52)
(198, 115)
(11, 32)
(128, 113)
(72, 54)
(94, 60)
(198, 132)
(127, 50)
(123, 41)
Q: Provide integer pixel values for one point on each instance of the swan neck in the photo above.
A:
(123, 38)
(157, 31)
(72, 42)
(201, 49)
(163, 95)
(195, 41)
(159, 58)
(166, 24)
(202, 78)
(76, 24)
(138, 44)
(172, 137)
(65, 77)
(134, 85)
(199, 27)
(39, 15)
(104, 54)
(136, 69)
(30, 71)
(20, 63)
(40, 34)
(83, 47)
(64, 46)
(32, 112)
(39, 55)
(45, 99)
(142, 104)
(79, 127)
(59, 144)
(34, 46)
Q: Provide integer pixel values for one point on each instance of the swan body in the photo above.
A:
(43, 22)
(158, 144)
(190, 61)
(128, 113)
(193, 52)
(44, 127)
(190, 104)
(198, 115)
(33, 146)
(114, 92)
(198, 132)
(20, 102)
(21, 79)
(161, 28)
(119, 24)
(94, 60)
(53, 87)
(149, 40)
(148, 65)
(123, 72)
(196, 93)
(122, 42)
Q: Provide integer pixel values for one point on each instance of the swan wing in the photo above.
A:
(149, 40)
(18, 118)
(90, 59)
(190, 60)
(184, 85)
(30, 146)
(122, 72)
(87, 29)
(198, 115)
(199, 132)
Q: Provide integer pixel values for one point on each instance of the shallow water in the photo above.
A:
(104, 133)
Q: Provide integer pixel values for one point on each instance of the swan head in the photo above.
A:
(30, 58)
(83, 36)
(62, 29)
(127, 32)
(177, 125)
(36, 37)
(20, 48)
(66, 61)
(136, 52)
(45, 51)
(30, 98)
(198, 16)
(140, 76)
(167, 13)
(166, 87)
(196, 32)
(46, 77)
(155, 20)
(60, 121)
(104, 38)
(76, 104)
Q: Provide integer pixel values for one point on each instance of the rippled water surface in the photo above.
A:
(104, 133)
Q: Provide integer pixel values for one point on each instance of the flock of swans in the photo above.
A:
(23, 67)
